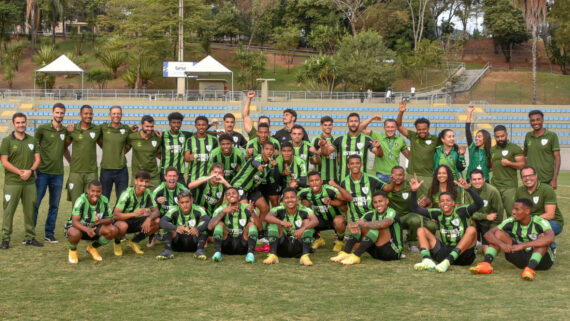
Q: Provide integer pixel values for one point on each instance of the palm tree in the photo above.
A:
(534, 12)
(54, 12)
(33, 20)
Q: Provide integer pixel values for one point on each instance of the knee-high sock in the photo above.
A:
(273, 237)
(72, 247)
(251, 239)
(369, 240)
(352, 240)
(138, 237)
(100, 242)
(307, 240)
(202, 238)
(218, 237)
(167, 240)
(490, 254)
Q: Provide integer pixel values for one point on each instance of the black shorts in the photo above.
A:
(270, 189)
(441, 251)
(234, 245)
(289, 247)
(324, 224)
(184, 243)
(384, 252)
(481, 230)
(85, 236)
(520, 259)
(252, 195)
(135, 224)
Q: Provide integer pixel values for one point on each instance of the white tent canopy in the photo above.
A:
(210, 66)
(61, 65)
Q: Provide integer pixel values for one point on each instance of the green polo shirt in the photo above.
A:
(543, 195)
(421, 154)
(540, 153)
(84, 148)
(400, 200)
(114, 141)
(144, 153)
(52, 147)
(504, 176)
(492, 203)
(392, 148)
(21, 153)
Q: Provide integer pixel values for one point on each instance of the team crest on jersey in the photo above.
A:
(70, 185)
(235, 138)
(92, 135)
(405, 195)
(31, 146)
(208, 147)
(304, 156)
(544, 141)
(294, 175)
(535, 199)
(359, 145)
(192, 223)
(365, 189)
(154, 143)
(298, 223)
(241, 221)
(485, 203)
(175, 199)
(505, 152)
(532, 236)
(62, 136)
(122, 131)
(181, 139)
(455, 222)
(7, 197)
(233, 165)
(240, 192)
(428, 142)
(219, 194)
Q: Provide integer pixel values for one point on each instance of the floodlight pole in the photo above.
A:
(180, 82)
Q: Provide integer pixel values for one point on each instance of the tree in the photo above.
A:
(353, 10)
(112, 59)
(99, 76)
(228, 22)
(364, 60)
(325, 38)
(257, 13)
(559, 43)
(534, 12)
(417, 13)
(44, 56)
(287, 42)
(506, 24)
(414, 64)
(33, 20)
(319, 72)
(251, 65)
(10, 12)
(54, 11)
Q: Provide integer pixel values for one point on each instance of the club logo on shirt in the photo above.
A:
(31, 146)
(181, 139)
(235, 138)
(304, 157)
(544, 141)
(485, 203)
(455, 222)
(122, 130)
(154, 143)
(192, 223)
(70, 186)
(294, 176)
(219, 194)
(428, 142)
(233, 165)
(298, 223)
(175, 199)
(359, 145)
(92, 135)
(240, 192)
(532, 236)
(405, 195)
(365, 189)
(62, 136)
(208, 147)
(7, 197)
(505, 152)
(241, 221)
(535, 199)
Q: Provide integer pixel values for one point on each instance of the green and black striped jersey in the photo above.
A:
(129, 201)
(88, 213)
(209, 196)
(258, 147)
(192, 219)
(297, 169)
(326, 212)
(249, 177)
(524, 233)
(303, 152)
(395, 229)
(361, 191)
(201, 148)
(173, 147)
(329, 164)
(295, 219)
(232, 163)
(171, 196)
(347, 145)
(235, 222)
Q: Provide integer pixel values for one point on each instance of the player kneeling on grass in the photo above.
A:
(382, 233)
(90, 220)
(136, 212)
(291, 228)
(524, 238)
(186, 228)
(234, 228)
(458, 237)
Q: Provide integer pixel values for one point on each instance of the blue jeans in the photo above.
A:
(119, 177)
(384, 178)
(55, 184)
(557, 229)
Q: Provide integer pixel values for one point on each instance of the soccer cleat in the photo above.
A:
(249, 258)
(200, 255)
(318, 243)
(426, 264)
(5, 245)
(72, 257)
(217, 257)
(341, 256)
(117, 249)
(135, 247)
(271, 259)
(306, 260)
(528, 274)
(338, 246)
(443, 266)
(94, 253)
(351, 259)
(33, 242)
(165, 255)
(481, 268)
(264, 248)
(50, 239)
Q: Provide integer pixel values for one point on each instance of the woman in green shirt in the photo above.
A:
(479, 150)
(442, 182)
(449, 153)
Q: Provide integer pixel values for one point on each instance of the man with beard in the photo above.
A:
(83, 139)
(506, 159)
(227, 154)
(186, 226)
(173, 142)
(209, 190)
(234, 226)
(542, 150)
(255, 145)
(229, 123)
(198, 149)
(289, 119)
(166, 195)
(291, 168)
(146, 149)
(352, 143)
(290, 230)
(302, 148)
(327, 166)
(51, 141)
(326, 201)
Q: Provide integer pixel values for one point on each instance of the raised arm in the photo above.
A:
(247, 122)
(414, 207)
(363, 126)
(401, 128)
(468, 134)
